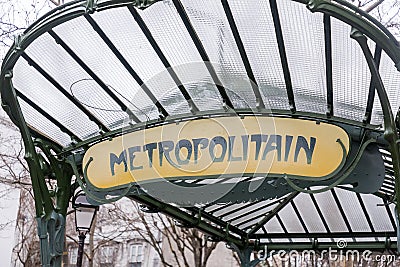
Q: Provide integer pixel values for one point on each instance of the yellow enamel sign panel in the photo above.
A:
(220, 146)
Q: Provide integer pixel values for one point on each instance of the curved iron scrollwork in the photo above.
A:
(343, 177)
(89, 194)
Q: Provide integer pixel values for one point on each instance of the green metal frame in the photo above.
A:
(60, 164)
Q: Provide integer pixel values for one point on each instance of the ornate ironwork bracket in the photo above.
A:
(346, 174)
(51, 235)
(51, 226)
(245, 255)
(83, 183)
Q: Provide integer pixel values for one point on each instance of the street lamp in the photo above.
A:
(84, 215)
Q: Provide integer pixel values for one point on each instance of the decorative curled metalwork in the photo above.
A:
(91, 6)
(142, 4)
(390, 130)
(51, 235)
(86, 180)
(343, 177)
(244, 256)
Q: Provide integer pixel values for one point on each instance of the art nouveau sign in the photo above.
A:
(228, 146)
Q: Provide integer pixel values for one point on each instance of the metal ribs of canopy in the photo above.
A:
(300, 217)
(323, 218)
(86, 77)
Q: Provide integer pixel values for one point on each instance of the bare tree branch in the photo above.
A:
(373, 6)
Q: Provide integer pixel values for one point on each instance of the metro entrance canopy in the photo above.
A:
(257, 122)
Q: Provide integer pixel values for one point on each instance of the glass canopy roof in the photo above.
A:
(92, 72)
(81, 76)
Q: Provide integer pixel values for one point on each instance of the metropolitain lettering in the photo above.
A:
(219, 149)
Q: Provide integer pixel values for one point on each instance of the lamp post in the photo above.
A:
(84, 215)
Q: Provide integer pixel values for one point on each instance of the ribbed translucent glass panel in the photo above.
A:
(76, 31)
(352, 209)
(220, 210)
(38, 89)
(331, 212)
(391, 80)
(181, 53)
(39, 123)
(131, 42)
(351, 75)
(246, 225)
(259, 40)
(195, 77)
(273, 226)
(212, 27)
(67, 72)
(378, 214)
(303, 34)
(357, 212)
(290, 219)
(259, 211)
(141, 57)
(309, 213)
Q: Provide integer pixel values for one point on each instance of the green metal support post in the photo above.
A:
(50, 217)
(391, 132)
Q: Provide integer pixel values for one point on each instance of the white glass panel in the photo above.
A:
(61, 66)
(331, 212)
(38, 89)
(391, 80)
(129, 39)
(290, 220)
(255, 214)
(212, 27)
(42, 125)
(353, 211)
(309, 213)
(180, 51)
(273, 226)
(115, 74)
(84, 217)
(259, 39)
(250, 224)
(303, 35)
(351, 75)
(377, 212)
(227, 209)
